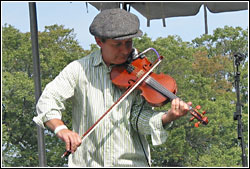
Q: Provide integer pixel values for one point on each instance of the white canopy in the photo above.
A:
(162, 10)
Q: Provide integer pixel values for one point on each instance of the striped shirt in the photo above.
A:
(115, 141)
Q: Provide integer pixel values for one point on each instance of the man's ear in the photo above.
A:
(98, 41)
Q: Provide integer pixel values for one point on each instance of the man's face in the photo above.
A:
(115, 51)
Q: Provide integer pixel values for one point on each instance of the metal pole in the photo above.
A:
(205, 17)
(238, 114)
(36, 69)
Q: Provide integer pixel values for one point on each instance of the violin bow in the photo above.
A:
(123, 96)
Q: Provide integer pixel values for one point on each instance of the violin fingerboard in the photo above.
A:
(161, 89)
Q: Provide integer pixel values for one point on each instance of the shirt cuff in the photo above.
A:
(158, 132)
(40, 119)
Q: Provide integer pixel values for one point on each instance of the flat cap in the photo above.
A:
(116, 24)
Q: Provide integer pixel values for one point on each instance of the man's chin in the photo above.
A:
(121, 61)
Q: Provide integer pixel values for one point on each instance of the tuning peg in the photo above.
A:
(198, 107)
(191, 119)
(197, 124)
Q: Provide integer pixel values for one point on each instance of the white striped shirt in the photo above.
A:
(115, 141)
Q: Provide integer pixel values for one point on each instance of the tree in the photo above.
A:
(57, 48)
(204, 75)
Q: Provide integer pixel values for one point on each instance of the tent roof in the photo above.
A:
(162, 10)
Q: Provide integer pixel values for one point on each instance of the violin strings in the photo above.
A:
(157, 86)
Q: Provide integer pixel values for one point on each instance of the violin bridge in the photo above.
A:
(140, 73)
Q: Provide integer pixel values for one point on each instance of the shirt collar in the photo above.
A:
(98, 60)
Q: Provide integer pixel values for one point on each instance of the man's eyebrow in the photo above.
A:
(116, 43)
(120, 42)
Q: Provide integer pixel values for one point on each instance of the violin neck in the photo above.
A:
(161, 89)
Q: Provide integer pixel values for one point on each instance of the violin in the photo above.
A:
(157, 89)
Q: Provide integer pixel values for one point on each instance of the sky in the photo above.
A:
(75, 15)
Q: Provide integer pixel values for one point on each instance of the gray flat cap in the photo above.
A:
(116, 24)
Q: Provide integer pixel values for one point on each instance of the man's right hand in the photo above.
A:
(71, 139)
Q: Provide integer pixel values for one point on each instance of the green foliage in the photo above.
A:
(19, 107)
(203, 70)
(205, 75)
(57, 48)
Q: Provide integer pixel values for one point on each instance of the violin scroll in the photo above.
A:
(199, 116)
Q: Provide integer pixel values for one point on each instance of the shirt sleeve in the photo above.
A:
(51, 102)
(149, 122)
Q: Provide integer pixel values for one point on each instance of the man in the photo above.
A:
(120, 139)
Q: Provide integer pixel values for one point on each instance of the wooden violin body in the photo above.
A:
(125, 75)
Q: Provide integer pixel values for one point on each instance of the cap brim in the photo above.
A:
(138, 34)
